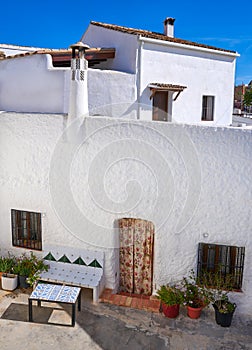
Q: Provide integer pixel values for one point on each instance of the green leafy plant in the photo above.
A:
(7, 264)
(170, 295)
(30, 267)
(248, 98)
(219, 286)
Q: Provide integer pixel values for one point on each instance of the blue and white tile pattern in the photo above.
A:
(57, 293)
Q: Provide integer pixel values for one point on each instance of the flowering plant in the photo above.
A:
(195, 294)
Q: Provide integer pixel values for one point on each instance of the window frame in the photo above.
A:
(207, 113)
(26, 227)
(227, 258)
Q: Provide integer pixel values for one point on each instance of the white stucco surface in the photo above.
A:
(202, 73)
(125, 44)
(191, 181)
(31, 84)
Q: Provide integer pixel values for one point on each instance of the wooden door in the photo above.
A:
(160, 106)
(136, 255)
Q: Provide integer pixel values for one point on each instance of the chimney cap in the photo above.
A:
(169, 20)
(79, 45)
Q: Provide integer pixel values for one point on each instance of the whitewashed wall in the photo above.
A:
(31, 84)
(189, 180)
(112, 93)
(126, 46)
(201, 72)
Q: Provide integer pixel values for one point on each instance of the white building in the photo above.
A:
(192, 181)
(141, 75)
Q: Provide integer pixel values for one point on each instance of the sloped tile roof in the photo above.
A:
(154, 35)
(93, 55)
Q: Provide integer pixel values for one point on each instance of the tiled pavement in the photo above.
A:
(106, 326)
(135, 301)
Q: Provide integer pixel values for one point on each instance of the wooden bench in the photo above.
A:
(75, 267)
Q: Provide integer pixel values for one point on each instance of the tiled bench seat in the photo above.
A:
(70, 266)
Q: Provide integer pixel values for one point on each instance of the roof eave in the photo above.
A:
(188, 47)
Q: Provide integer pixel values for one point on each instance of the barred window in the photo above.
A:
(228, 260)
(26, 229)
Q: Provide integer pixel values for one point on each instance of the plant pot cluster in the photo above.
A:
(23, 270)
(195, 295)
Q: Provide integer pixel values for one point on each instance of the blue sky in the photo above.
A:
(58, 24)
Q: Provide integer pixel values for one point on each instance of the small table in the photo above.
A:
(57, 294)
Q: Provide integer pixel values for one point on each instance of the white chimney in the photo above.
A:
(169, 27)
(78, 104)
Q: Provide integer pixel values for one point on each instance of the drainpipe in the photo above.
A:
(139, 77)
(78, 104)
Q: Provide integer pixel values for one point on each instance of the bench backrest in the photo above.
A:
(75, 256)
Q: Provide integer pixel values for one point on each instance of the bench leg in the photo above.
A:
(95, 295)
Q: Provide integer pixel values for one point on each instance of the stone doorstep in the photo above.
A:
(135, 301)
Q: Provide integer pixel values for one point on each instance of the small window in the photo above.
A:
(228, 260)
(26, 229)
(207, 108)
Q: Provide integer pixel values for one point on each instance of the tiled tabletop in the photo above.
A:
(56, 293)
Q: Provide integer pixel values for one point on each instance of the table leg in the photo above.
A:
(30, 310)
(79, 302)
(73, 314)
(39, 303)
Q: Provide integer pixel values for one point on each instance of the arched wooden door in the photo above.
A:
(136, 255)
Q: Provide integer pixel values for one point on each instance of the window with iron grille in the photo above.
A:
(227, 260)
(207, 108)
(26, 229)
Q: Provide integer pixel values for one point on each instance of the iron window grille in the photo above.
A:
(26, 229)
(228, 260)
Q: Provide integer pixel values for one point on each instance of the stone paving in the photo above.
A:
(112, 327)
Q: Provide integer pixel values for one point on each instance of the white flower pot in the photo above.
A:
(9, 281)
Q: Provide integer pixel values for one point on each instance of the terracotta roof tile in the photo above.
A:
(163, 86)
(154, 35)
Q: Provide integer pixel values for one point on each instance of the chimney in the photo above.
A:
(78, 104)
(169, 27)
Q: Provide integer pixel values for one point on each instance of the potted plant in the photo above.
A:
(219, 287)
(9, 281)
(28, 269)
(7, 264)
(171, 298)
(196, 296)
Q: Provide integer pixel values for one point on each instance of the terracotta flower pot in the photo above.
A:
(170, 311)
(193, 312)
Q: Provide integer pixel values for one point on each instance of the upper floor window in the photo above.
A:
(26, 229)
(228, 261)
(207, 108)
